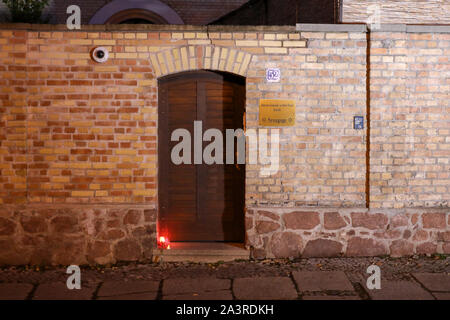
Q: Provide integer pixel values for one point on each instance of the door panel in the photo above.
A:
(200, 202)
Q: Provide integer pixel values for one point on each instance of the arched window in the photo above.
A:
(136, 16)
(136, 12)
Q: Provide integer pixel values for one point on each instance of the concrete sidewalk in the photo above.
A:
(232, 281)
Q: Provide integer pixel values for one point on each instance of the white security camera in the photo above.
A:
(100, 54)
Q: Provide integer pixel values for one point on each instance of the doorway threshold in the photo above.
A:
(208, 252)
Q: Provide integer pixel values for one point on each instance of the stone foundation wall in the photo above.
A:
(65, 235)
(333, 232)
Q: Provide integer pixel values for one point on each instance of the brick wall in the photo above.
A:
(78, 139)
(410, 120)
(14, 110)
(322, 158)
(398, 11)
(91, 128)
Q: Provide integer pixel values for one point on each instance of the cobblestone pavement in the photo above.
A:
(415, 278)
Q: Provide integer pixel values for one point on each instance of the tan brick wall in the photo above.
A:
(87, 131)
(410, 120)
(75, 131)
(398, 11)
(78, 139)
(322, 158)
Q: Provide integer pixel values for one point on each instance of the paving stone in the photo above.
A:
(14, 291)
(132, 296)
(268, 288)
(322, 281)
(434, 281)
(331, 298)
(399, 290)
(122, 288)
(187, 285)
(442, 295)
(59, 291)
(212, 295)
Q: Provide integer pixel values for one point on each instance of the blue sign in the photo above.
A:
(358, 122)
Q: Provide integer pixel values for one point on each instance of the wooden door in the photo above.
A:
(200, 202)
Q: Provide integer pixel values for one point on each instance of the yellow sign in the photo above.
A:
(276, 113)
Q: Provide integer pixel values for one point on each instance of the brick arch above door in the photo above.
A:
(188, 58)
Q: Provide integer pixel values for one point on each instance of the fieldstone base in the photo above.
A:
(76, 234)
(101, 234)
(334, 232)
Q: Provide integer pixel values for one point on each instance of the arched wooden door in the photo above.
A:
(200, 202)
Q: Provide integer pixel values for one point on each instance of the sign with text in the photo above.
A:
(273, 75)
(358, 122)
(276, 113)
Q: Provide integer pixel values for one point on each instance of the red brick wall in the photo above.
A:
(13, 122)
(91, 128)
